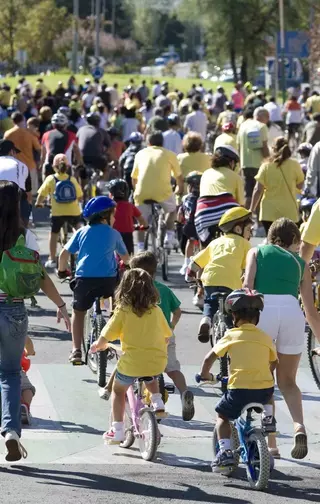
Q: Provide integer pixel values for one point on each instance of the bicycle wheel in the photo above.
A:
(101, 356)
(258, 466)
(234, 447)
(90, 335)
(313, 359)
(164, 264)
(162, 388)
(148, 431)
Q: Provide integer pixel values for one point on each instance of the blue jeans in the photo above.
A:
(13, 332)
(211, 301)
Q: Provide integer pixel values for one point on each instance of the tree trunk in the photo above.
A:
(244, 69)
(233, 63)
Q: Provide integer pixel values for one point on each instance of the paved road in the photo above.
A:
(68, 460)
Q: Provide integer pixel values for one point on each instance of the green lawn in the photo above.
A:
(184, 85)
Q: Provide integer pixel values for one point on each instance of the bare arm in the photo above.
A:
(125, 258)
(43, 155)
(175, 317)
(306, 251)
(48, 287)
(77, 154)
(207, 364)
(312, 315)
(251, 269)
(134, 182)
(180, 184)
(63, 259)
(256, 196)
(142, 221)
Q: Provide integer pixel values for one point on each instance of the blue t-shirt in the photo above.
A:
(96, 246)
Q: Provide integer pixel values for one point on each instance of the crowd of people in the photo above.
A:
(218, 168)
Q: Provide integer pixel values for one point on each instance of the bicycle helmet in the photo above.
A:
(244, 299)
(98, 205)
(228, 105)
(59, 120)
(193, 178)
(64, 110)
(227, 127)
(307, 203)
(305, 147)
(227, 151)
(173, 120)
(93, 119)
(234, 216)
(119, 189)
(135, 137)
(113, 131)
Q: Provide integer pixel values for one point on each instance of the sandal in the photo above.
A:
(274, 452)
(300, 447)
(75, 356)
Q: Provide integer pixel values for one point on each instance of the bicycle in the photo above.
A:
(219, 327)
(155, 234)
(98, 361)
(248, 444)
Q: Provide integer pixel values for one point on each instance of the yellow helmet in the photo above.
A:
(234, 216)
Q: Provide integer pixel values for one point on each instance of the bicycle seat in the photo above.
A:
(257, 407)
(150, 202)
(145, 379)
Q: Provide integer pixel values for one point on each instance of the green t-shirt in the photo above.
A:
(278, 271)
(169, 302)
(252, 134)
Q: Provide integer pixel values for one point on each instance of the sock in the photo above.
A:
(224, 444)
(117, 426)
(156, 397)
(187, 261)
(267, 410)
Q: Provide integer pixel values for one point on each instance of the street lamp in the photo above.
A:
(282, 47)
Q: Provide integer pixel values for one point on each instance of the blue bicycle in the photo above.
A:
(248, 444)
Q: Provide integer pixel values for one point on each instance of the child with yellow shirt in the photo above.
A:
(222, 262)
(253, 359)
(143, 330)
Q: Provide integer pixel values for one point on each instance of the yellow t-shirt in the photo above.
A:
(153, 167)
(217, 181)
(251, 351)
(311, 231)
(223, 261)
(143, 341)
(313, 103)
(194, 161)
(61, 209)
(280, 190)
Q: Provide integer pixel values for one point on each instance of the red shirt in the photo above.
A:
(125, 214)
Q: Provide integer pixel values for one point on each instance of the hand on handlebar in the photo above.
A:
(137, 227)
(206, 378)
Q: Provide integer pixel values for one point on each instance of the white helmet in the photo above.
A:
(59, 119)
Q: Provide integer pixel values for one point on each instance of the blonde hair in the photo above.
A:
(281, 151)
(137, 291)
(60, 163)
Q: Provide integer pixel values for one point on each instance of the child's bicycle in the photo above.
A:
(248, 444)
(219, 328)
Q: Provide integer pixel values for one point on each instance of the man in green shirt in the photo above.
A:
(253, 146)
(170, 306)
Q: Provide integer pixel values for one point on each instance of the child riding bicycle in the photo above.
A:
(170, 306)
(253, 359)
(223, 262)
(97, 269)
(143, 330)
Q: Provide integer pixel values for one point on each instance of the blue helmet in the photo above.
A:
(135, 137)
(307, 203)
(98, 205)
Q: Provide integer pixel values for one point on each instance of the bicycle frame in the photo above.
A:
(244, 428)
(136, 405)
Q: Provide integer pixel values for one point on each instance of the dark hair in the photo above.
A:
(155, 139)
(250, 315)
(248, 113)
(148, 104)
(10, 223)
(137, 291)
(146, 261)
(17, 117)
(283, 232)
(195, 106)
(130, 113)
(281, 150)
(219, 161)
(98, 217)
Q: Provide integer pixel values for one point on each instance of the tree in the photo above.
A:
(11, 21)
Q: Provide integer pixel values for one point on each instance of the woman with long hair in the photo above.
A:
(14, 323)
(278, 182)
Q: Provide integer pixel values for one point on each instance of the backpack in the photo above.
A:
(65, 191)
(20, 271)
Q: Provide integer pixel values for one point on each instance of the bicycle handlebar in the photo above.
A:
(214, 379)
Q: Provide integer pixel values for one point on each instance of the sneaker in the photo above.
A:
(269, 424)
(198, 301)
(25, 414)
(75, 356)
(113, 436)
(169, 240)
(187, 405)
(224, 459)
(15, 450)
(204, 330)
(183, 269)
(62, 274)
(50, 264)
(159, 408)
(104, 394)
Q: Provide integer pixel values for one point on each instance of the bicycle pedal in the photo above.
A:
(170, 388)
(78, 363)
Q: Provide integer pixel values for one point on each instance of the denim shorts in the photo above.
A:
(127, 381)
(234, 400)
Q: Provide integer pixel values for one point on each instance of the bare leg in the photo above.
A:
(179, 380)
(118, 401)
(77, 328)
(223, 428)
(189, 249)
(27, 396)
(286, 379)
(53, 241)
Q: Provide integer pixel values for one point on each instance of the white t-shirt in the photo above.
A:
(274, 111)
(88, 99)
(172, 141)
(197, 121)
(31, 241)
(13, 170)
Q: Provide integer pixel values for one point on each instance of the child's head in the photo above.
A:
(193, 180)
(137, 291)
(146, 261)
(305, 148)
(237, 221)
(306, 205)
(284, 233)
(100, 210)
(33, 125)
(245, 306)
(60, 164)
(119, 189)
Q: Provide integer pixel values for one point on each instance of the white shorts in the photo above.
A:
(173, 363)
(34, 181)
(168, 206)
(283, 319)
